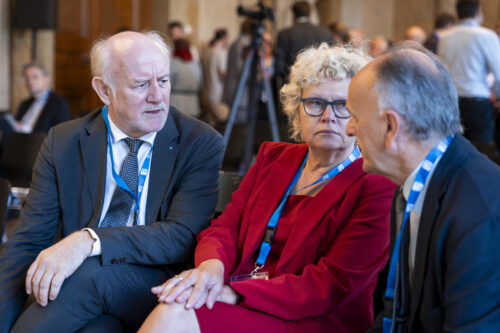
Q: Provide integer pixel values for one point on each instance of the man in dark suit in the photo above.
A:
(87, 185)
(44, 108)
(443, 272)
(443, 23)
(292, 40)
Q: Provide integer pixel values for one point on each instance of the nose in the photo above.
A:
(349, 128)
(328, 114)
(154, 93)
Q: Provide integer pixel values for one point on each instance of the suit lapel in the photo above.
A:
(166, 148)
(93, 145)
(437, 188)
(271, 189)
(317, 208)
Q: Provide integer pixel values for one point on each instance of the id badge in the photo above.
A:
(254, 276)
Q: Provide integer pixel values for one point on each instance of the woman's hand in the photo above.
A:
(196, 287)
(228, 295)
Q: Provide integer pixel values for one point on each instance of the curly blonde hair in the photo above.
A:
(316, 65)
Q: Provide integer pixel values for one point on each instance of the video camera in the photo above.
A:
(261, 14)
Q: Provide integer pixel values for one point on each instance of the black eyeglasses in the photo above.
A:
(315, 107)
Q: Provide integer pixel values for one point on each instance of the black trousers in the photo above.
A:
(478, 119)
(122, 291)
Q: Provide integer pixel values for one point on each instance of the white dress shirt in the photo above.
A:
(120, 151)
(471, 52)
(416, 212)
(31, 116)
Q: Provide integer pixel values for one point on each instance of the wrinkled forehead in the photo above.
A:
(139, 57)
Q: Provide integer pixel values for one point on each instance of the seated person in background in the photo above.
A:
(214, 65)
(416, 33)
(185, 76)
(116, 243)
(44, 108)
(332, 232)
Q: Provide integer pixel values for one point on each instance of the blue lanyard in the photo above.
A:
(416, 188)
(142, 174)
(265, 246)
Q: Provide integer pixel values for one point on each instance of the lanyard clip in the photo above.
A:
(256, 269)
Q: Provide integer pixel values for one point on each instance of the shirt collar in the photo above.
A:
(469, 22)
(44, 96)
(117, 134)
(303, 19)
(411, 178)
(409, 181)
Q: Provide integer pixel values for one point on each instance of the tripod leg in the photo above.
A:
(237, 99)
(270, 104)
(248, 147)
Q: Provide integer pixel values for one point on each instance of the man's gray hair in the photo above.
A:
(34, 64)
(421, 90)
(100, 56)
(316, 65)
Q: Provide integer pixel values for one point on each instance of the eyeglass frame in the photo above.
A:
(332, 103)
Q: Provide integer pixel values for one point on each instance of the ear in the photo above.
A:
(392, 121)
(102, 89)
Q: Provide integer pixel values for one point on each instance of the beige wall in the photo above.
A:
(203, 17)
(375, 17)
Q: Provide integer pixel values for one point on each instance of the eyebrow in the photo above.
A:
(135, 81)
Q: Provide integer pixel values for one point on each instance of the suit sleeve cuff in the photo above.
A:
(96, 247)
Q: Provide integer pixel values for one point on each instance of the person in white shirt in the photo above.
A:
(471, 52)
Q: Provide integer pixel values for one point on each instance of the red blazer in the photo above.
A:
(328, 269)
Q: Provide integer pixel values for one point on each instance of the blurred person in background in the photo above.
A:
(185, 77)
(378, 46)
(177, 31)
(471, 52)
(355, 36)
(235, 62)
(294, 39)
(339, 33)
(416, 33)
(443, 23)
(42, 110)
(214, 65)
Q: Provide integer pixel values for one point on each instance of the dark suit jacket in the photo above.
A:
(67, 193)
(431, 42)
(326, 273)
(291, 41)
(55, 111)
(455, 285)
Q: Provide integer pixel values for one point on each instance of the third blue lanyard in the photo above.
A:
(265, 246)
(416, 188)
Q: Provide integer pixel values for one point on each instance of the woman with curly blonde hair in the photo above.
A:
(299, 246)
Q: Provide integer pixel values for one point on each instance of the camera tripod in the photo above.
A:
(253, 62)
